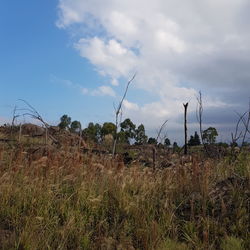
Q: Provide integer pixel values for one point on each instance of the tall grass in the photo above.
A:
(62, 199)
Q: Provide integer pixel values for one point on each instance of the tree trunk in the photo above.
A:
(185, 126)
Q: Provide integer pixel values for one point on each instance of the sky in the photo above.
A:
(75, 57)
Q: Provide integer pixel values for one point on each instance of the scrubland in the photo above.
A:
(54, 198)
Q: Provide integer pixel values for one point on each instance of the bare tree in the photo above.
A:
(14, 117)
(161, 129)
(118, 112)
(246, 124)
(185, 127)
(199, 114)
(244, 119)
(33, 113)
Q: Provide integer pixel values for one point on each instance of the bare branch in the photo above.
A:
(161, 128)
(118, 111)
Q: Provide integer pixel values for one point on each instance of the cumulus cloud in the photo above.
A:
(103, 91)
(177, 48)
(110, 58)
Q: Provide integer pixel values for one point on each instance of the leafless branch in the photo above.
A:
(199, 115)
(118, 111)
(160, 130)
(33, 113)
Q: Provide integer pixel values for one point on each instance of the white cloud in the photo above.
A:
(100, 91)
(130, 105)
(177, 47)
(111, 58)
(103, 91)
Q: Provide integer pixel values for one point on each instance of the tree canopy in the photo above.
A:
(129, 128)
(152, 140)
(75, 127)
(65, 122)
(167, 142)
(194, 140)
(108, 128)
(140, 135)
(209, 135)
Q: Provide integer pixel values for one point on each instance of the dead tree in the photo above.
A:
(20, 133)
(160, 130)
(246, 124)
(14, 117)
(32, 112)
(241, 133)
(118, 112)
(185, 127)
(199, 113)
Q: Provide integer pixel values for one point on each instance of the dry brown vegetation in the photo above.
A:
(63, 198)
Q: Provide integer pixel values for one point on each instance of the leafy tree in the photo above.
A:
(128, 127)
(209, 135)
(194, 140)
(108, 128)
(175, 147)
(65, 122)
(167, 142)
(152, 140)
(97, 129)
(75, 127)
(93, 132)
(234, 144)
(140, 135)
(122, 137)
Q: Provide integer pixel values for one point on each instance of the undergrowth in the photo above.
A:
(62, 199)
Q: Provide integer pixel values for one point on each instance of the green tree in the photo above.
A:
(65, 122)
(194, 140)
(108, 128)
(75, 127)
(93, 132)
(152, 140)
(140, 135)
(167, 142)
(175, 147)
(122, 137)
(209, 135)
(129, 128)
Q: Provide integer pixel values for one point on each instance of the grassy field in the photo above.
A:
(62, 199)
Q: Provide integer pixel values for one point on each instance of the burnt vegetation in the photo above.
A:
(110, 186)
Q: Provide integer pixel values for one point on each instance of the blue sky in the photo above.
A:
(75, 56)
(36, 59)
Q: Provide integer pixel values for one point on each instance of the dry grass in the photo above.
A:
(61, 199)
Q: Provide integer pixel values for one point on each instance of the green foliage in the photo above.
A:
(152, 140)
(173, 245)
(122, 138)
(175, 147)
(140, 135)
(68, 200)
(75, 127)
(232, 243)
(167, 142)
(65, 122)
(93, 132)
(194, 140)
(108, 128)
(209, 135)
(129, 128)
